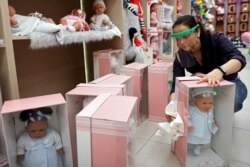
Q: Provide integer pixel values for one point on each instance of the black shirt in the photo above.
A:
(223, 50)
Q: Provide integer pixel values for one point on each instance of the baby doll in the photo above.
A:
(201, 118)
(39, 146)
(24, 25)
(153, 15)
(75, 21)
(154, 44)
(100, 21)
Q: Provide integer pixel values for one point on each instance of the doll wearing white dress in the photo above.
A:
(100, 21)
(201, 118)
(39, 146)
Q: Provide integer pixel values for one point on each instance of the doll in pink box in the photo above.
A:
(100, 21)
(201, 123)
(75, 21)
(39, 146)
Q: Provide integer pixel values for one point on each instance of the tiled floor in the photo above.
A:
(153, 148)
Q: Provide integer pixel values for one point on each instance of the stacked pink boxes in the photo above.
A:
(114, 79)
(107, 61)
(106, 130)
(158, 90)
(13, 127)
(75, 103)
(219, 150)
(139, 74)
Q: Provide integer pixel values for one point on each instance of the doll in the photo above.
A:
(154, 44)
(24, 25)
(39, 146)
(75, 21)
(201, 123)
(100, 21)
(153, 15)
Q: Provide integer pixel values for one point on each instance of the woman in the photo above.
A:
(210, 56)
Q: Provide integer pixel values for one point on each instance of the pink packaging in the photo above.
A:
(219, 151)
(107, 61)
(139, 73)
(13, 127)
(3, 152)
(114, 79)
(158, 90)
(105, 131)
(75, 103)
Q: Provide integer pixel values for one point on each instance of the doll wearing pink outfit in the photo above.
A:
(100, 21)
(75, 21)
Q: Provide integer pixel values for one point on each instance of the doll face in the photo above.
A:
(37, 129)
(12, 10)
(99, 9)
(204, 103)
(189, 42)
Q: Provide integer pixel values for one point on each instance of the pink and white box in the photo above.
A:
(106, 130)
(13, 127)
(219, 151)
(139, 74)
(114, 79)
(158, 90)
(107, 61)
(3, 152)
(76, 101)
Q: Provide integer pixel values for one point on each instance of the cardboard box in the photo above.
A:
(159, 75)
(13, 127)
(114, 79)
(220, 147)
(107, 61)
(75, 103)
(106, 131)
(3, 152)
(139, 74)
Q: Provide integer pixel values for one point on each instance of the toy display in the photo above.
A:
(75, 21)
(100, 21)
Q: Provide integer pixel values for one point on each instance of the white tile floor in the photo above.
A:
(153, 148)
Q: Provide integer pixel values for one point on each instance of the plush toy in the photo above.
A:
(100, 21)
(140, 12)
(75, 21)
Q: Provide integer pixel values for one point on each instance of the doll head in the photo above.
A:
(154, 7)
(99, 7)
(12, 11)
(203, 98)
(79, 13)
(36, 121)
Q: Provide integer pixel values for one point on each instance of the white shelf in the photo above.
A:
(14, 37)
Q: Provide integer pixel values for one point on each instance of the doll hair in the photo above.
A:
(202, 92)
(78, 12)
(99, 2)
(32, 115)
(132, 31)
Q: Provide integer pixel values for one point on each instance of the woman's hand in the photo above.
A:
(213, 78)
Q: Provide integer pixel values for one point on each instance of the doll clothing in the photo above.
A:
(41, 152)
(98, 25)
(27, 24)
(76, 19)
(203, 126)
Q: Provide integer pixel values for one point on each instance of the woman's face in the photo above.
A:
(189, 42)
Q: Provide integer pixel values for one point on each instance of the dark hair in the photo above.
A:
(131, 33)
(205, 38)
(26, 115)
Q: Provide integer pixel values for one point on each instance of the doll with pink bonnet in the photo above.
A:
(100, 21)
(75, 21)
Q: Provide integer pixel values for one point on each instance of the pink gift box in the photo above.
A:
(158, 90)
(139, 74)
(220, 150)
(114, 79)
(105, 131)
(13, 127)
(75, 99)
(107, 61)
